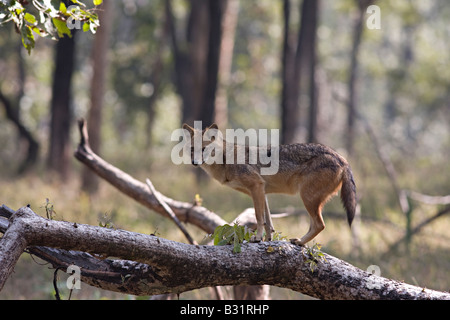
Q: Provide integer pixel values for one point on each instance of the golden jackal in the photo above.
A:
(315, 171)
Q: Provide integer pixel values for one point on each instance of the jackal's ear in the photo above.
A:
(211, 134)
(189, 129)
(214, 126)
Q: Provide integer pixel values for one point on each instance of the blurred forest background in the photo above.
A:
(318, 70)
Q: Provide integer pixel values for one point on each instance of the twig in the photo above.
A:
(388, 166)
(169, 211)
(55, 284)
(417, 229)
(428, 199)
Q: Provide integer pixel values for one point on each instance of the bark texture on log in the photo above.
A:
(163, 266)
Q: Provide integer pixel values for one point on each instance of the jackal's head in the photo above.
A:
(204, 144)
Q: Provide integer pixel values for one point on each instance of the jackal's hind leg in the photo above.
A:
(314, 208)
(314, 229)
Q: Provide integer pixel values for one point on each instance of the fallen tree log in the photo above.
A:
(155, 265)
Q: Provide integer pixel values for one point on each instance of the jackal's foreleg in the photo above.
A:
(259, 202)
(268, 221)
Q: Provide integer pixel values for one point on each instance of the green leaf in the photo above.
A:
(27, 38)
(62, 28)
(234, 235)
(19, 11)
(239, 231)
(62, 7)
(97, 2)
(79, 3)
(223, 242)
(38, 31)
(229, 233)
(30, 18)
(216, 235)
(86, 26)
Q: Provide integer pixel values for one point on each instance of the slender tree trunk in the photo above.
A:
(311, 14)
(289, 95)
(59, 155)
(100, 65)
(298, 71)
(353, 74)
(229, 23)
(197, 58)
(216, 9)
(197, 48)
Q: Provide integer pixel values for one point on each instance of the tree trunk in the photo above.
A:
(251, 292)
(353, 74)
(298, 71)
(215, 9)
(229, 23)
(99, 64)
(311, 13)
(289, 95)
(197, 58)
(59, 155)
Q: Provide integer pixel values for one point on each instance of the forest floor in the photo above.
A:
(425, 263)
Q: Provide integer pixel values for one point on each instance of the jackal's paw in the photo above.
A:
(255, 239)
(297, 242)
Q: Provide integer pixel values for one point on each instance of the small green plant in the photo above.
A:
(314, 256)
(49, 209)
(105, 221)
(235, 235)
(276, 236)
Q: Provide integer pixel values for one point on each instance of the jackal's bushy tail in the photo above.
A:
(348, 194)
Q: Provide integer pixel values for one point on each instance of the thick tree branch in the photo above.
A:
(106, 274)
(178, 267)
(12, 244)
